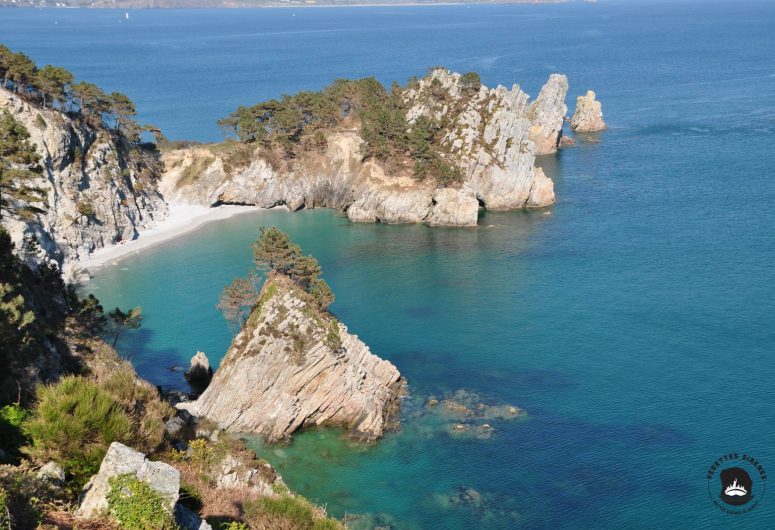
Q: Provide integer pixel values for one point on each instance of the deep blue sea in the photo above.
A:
(634, 320)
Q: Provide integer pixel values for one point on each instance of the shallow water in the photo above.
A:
(632, 320)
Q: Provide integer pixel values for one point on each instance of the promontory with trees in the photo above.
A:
(435, 150)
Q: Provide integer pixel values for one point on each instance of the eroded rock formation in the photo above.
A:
(588, 116)
(99, 190)
(491, 134)
(294, 366)
(547, 113)
(123, 460)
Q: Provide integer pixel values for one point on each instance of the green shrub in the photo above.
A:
(295, 512)
(470, 81)
(333, 338)
(74, 423)
(190, 497)
(12, 438)
(136, 506)
(234, 525)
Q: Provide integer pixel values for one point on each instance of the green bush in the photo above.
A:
(470, 81)
(136, 506)
(333, 338)
(74, 423)
(12, 438)
(302, 121)
(295, 511)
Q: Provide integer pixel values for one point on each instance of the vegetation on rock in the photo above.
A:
(19, 167)
(135, 505)
(76, 420)
(302, 121)
(55, 87)
(274, 253)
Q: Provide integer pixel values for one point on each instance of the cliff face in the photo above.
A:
(490, 134)
(293, 366)
(99, 191)
(547, 113)
(588, 116)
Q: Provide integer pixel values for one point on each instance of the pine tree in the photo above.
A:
(18, 168)
(53, 83)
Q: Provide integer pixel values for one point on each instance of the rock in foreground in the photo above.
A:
(589, 114)
(122, 460)
(295, 366)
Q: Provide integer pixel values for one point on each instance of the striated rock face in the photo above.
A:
(293, 366)
(588, 116)
(99, 190)
(121, 460)
(491, 134)
(547, 113)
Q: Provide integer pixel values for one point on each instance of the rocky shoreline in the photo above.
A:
(104, 194)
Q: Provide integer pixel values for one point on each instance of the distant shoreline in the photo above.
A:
(5, 4)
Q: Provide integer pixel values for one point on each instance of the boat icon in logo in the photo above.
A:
(736, 486)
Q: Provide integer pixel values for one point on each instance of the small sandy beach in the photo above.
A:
(182, 218)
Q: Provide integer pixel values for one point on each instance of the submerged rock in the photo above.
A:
(488, 507)
(295, 366)
(464, 414)
(588, 116)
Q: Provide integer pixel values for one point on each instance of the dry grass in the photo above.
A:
(65, 520)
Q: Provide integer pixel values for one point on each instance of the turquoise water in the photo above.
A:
(633, 320)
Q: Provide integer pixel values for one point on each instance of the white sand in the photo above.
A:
(182, 218)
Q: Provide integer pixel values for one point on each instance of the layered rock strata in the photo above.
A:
(294, 366)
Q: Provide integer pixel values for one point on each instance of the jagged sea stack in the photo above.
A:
(292, 366)
(547, 113)
(588, 116)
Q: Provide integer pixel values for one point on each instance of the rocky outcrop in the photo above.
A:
(547, 114)
(100, 190)
(121, 460)
(294, 366)
(199, 372)
(490, 134)
(162, 478)
(588, 116)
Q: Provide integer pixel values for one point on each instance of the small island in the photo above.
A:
(293, 364)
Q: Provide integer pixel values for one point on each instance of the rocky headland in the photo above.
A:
(293, 366)
(99, 188)
(434, 151)
(489, 135)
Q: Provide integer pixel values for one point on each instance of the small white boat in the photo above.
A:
(126, 14)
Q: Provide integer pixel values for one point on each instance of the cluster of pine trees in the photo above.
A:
(56, 87)
(274, 253)
(302, 121)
